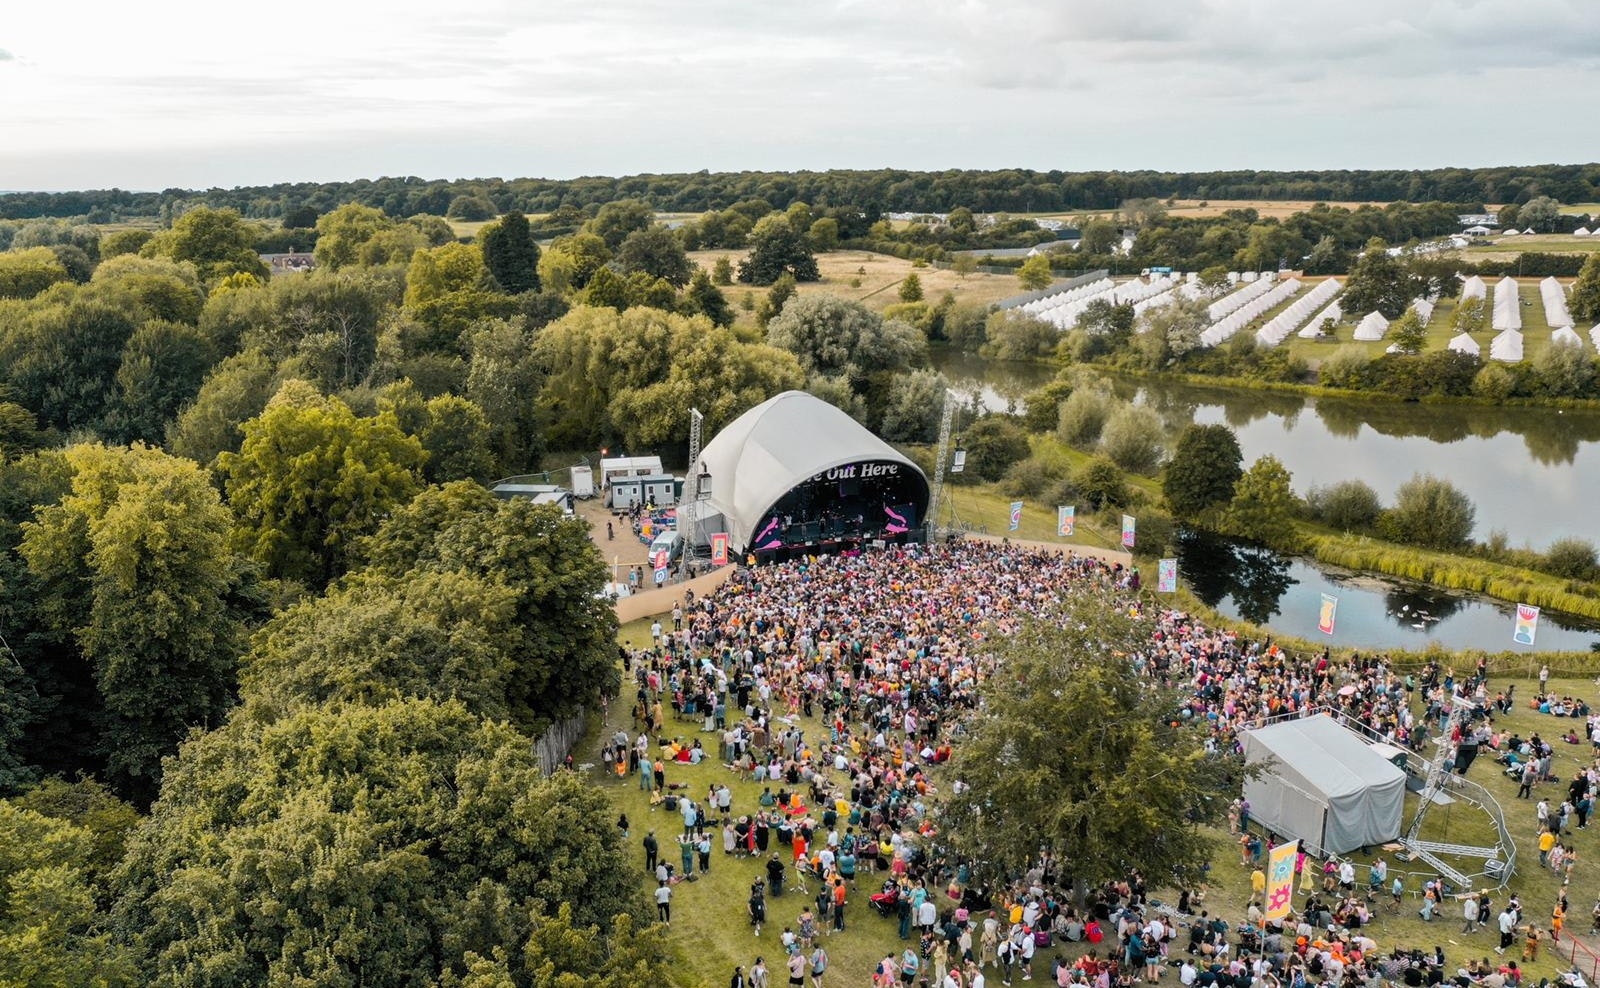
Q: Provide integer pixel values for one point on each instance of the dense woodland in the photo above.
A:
(1008, 190)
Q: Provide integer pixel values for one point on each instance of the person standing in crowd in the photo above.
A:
(664, 903)
(651, 849)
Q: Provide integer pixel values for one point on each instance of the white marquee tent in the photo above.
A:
(1555, 304)
(1372, 327)
(1323, 784)
(1567, 336)
(1474, 287)
(1464, 343)
(1506, 346)
(1507, 305)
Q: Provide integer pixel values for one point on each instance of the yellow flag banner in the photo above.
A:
(1280, 879)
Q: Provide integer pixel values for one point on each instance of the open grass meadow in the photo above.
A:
(711, 931)
(873, 279)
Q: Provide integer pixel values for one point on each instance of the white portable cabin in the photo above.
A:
(625, 492)
(618, 469)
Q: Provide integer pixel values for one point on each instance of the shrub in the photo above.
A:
(1101, 484)
(1564, 371)
(1429, 512)
(1014, 335)
(1042, 407)
(993, 444)
(1083, 415)
(1347, 505)
(1029, 478)
(1572, 558)
(1493, 382)
(1345, 367)
(1133, 438)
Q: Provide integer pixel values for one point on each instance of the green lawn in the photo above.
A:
(711, 929)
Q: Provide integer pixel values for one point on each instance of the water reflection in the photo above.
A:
(1531, 472)
(1254, 578)
(1285, 595)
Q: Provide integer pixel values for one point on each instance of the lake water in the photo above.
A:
(1533, 473)
(1285, 595)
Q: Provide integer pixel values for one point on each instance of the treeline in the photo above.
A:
(1005, 190)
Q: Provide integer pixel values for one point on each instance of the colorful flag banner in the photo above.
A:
(1330, 607)
(719, 549)
(1066, 520)
(1167, 575)
(659, 559)
(1527, 624)
(1127, 531)
(1280, 879)
(1016, 515)
(661, 575)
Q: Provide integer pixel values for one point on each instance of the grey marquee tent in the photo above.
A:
(1323, 784)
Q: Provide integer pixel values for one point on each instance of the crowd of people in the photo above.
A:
(885, 649)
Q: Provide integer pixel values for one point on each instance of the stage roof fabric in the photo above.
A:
(782, 442)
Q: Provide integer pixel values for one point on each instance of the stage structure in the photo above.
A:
(1324, 785)
(795, 475)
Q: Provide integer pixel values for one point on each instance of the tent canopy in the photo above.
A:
(783, 443)
(1323, 784)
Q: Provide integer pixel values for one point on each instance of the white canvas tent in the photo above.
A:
(1372, 327)
(1463, 343)
(1324, 785)
(1566, 335)
(1473, 287)
(1506, 346)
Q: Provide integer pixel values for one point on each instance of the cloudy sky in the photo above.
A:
(191, 93)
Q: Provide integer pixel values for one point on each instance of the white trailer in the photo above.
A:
(582, 483)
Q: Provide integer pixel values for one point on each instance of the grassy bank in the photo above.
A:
(1454, 572)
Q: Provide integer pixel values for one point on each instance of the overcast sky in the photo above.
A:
(191, 93)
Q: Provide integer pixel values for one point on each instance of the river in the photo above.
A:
(1533, 473)
(1258, 586)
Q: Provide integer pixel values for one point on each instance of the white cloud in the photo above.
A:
(511, 87)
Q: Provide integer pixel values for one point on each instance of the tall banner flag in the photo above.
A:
(1127, 531)
(1167, 575)
(719, 549)
(1280, 879)
(1016, 515)
(1527, 624)
(1066, 520)
(1330, 607)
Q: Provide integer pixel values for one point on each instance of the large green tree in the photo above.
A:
(1429, 511)
(1076, 754)
(776, 248)
(134, 576)
(510, 253)
(51, 933)
(61, 360)
(564, 653)
(346, 845)
(1585, 302)
(218, 242)
(831, 335)
(163, 365)
(311, 477)
(1206, 464)
(656, 252)
(1263, 504)
(1378, 283)
(234, 392)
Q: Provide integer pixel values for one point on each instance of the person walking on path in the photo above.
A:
(1469, 912)
(819, 965)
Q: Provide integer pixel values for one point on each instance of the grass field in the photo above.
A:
(875, 279)
(1544, 243)
(711, 931)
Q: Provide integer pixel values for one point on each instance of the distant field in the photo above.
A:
(1548, 243)
(874, 279)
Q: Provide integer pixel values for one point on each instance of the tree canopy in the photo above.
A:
(1077, 754)
(776, 248)
(1206, 463)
